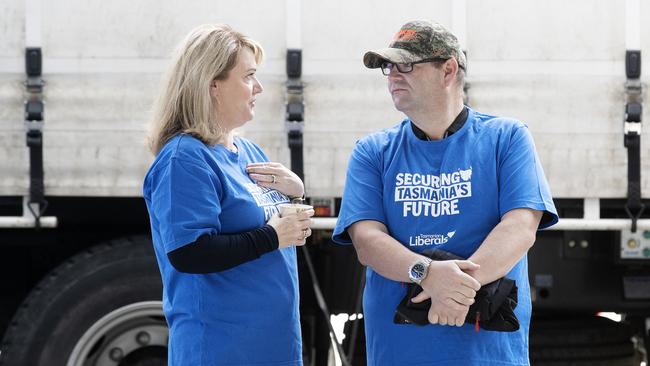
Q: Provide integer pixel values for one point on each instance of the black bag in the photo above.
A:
(493, 308)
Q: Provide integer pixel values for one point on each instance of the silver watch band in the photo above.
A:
(419, 270)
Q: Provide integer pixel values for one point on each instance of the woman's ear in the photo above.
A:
(214, 90)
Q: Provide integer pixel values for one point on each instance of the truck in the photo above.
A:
(79, 284)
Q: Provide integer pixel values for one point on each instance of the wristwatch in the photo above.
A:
(418, 270)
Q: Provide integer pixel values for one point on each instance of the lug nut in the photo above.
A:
(143, 338)
(116, 354)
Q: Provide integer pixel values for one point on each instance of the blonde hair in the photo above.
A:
(184, 104)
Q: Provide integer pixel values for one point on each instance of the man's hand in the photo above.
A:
(451, 291)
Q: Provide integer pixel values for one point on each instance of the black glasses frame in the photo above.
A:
(387, 66)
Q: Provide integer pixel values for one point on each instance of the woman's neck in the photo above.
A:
(229, 141)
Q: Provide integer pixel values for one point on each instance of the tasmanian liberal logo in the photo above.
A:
(430, 239)
(432, 195)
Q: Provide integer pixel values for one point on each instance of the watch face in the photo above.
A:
(417, 271)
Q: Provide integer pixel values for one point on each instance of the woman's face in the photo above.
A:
(234, 97)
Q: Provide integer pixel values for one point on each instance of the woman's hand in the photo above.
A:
(292, 229)
(276, 176)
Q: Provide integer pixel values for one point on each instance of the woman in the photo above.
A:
(228, 261)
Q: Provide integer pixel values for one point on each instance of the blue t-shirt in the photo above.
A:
(245, 315)
(447, 194)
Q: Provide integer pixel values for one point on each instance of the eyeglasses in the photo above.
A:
(387, 66)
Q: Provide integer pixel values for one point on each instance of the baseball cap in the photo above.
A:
(417, 41)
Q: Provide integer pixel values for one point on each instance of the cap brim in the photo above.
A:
(373, 59)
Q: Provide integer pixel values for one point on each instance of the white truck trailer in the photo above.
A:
(78, 281)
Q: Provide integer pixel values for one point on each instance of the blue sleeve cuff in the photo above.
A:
(341, 236)
(185, 239)
(549, 216)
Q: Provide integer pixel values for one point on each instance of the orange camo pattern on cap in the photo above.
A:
(405, 35)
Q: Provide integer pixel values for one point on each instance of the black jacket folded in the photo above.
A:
(493, 308)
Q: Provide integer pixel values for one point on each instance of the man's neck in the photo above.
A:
(436, 120)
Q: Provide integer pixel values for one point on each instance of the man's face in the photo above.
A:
(413, 91)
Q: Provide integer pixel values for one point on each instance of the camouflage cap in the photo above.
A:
(417, 41)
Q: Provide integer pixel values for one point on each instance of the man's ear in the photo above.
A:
(450, 68)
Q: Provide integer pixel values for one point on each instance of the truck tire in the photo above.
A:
(101, 307)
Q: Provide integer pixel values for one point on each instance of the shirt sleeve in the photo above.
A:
(363, 193)
(522, 183)
(186, 200)
(215, 253)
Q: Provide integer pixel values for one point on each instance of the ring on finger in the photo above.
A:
(306, 233)
(273, 177)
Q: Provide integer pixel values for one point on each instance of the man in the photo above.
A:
(446, 177)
